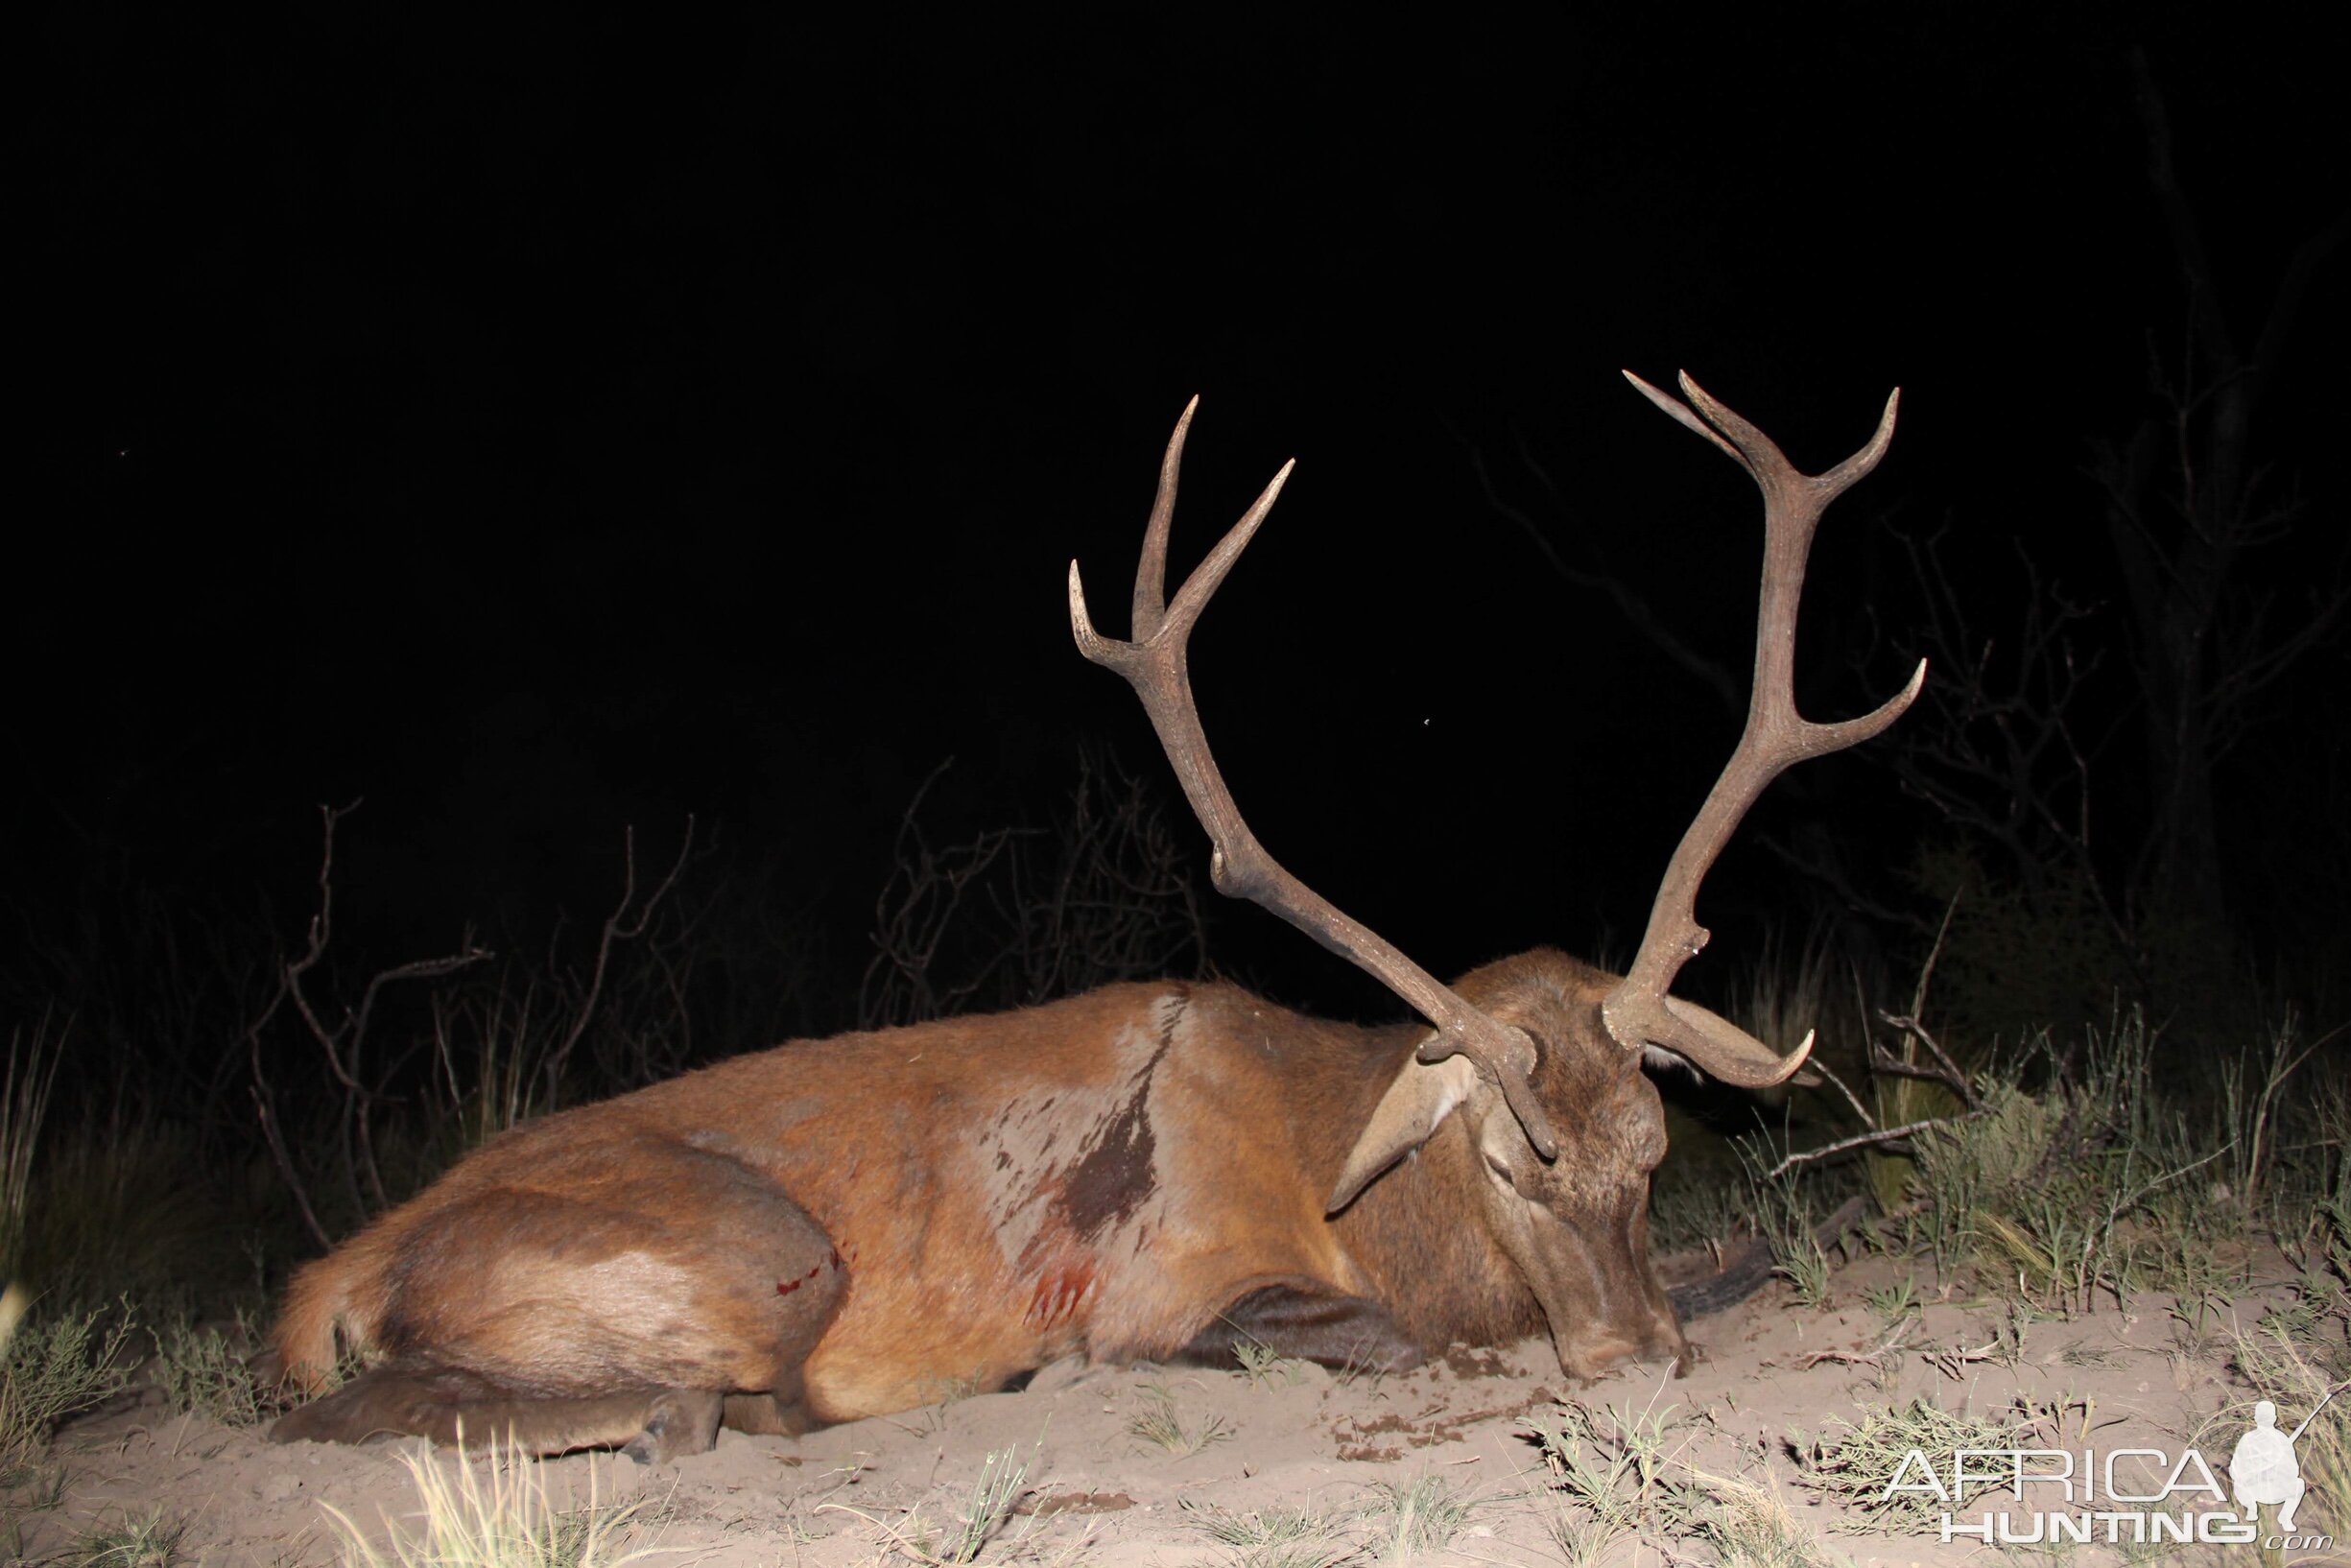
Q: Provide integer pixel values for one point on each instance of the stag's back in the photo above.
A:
(1099, 1174)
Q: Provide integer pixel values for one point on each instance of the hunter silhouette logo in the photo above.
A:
(2263, 1471)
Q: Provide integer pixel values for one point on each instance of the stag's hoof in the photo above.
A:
(681, 1422)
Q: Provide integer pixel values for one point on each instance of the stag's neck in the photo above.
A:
(1418, 1230)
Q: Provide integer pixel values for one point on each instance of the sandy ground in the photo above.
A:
(1300, 1438)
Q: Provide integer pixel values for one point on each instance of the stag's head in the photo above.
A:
(1532, 1045)
(1575, 1228)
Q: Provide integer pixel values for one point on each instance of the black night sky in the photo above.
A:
(567, 418)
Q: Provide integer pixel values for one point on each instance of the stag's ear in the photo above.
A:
(1658, 1059)
(1420, 1097)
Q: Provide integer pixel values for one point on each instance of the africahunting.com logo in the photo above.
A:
(2086, 1495)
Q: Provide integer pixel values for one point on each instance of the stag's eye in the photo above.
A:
(1503, 1148)
(1515, 1181)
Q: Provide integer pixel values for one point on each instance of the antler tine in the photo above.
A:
(1680, 414)
(1150, 575)
(1157, 666)
(1757, 452)
(1639, 1011)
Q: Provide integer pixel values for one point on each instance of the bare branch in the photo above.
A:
(618, 927)
(1946, 1071)
(1876, 1137)
(1859, 1109)
(1637, 610)
(340, 1046)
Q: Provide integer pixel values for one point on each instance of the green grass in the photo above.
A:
(1693, 1206)
(1263, 1366)
(1403, 1519)
(2080, 1172)
(1303, 1538)
(1893, 1303)
(491, 1511)
(1158, 1420)
(55, 1367)
(1622, 1474)
(151, 1540)
(1747, 1523)
(205, 1370)
(1798, 1259)
(2076, 1180)
(1851, 1463)
(1610, 1464)
(1003, 1481)
(1407, 1518)
(1583, 1540)
(988, 1509)
(30, 1492)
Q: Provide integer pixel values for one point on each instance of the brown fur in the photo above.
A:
(841, 1229)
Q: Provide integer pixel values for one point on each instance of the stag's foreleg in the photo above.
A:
(653, 1289)
(1309, 1324)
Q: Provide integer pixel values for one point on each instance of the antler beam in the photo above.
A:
(1639, 1013)
(1155, 664)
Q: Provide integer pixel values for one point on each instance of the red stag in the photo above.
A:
(845, 1227)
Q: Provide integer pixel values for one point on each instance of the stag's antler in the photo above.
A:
(1638, 1012)
(1155, 665)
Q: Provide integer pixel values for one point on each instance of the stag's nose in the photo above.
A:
(1666, 1342)
(1670, 1345)
(1604, 1345)
(1589, 1355)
